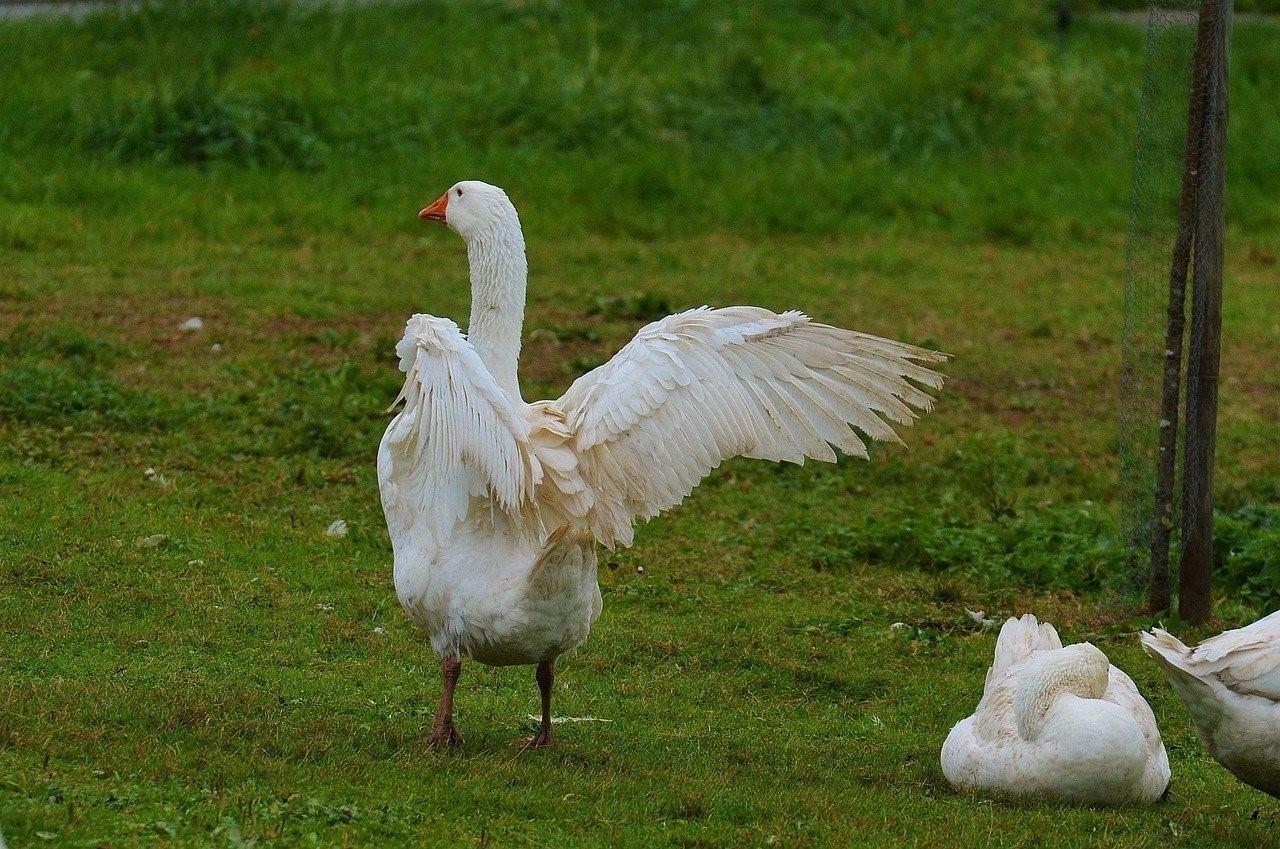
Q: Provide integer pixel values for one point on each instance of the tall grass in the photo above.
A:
(198, 124)
(641, 117)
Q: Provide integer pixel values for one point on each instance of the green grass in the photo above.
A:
(943, 173)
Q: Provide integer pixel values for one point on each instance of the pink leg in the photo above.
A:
(442, 731)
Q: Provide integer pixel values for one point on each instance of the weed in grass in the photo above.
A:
(324, 412)
(1246, 548)
(562, 333)
(633, 121)
(580, 365)
(637, 306)
(58, 378)
(200, 125)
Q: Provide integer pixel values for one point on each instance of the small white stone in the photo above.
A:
(898, 626)
(337, 529)
(379, 630)
(150, 472)
(639, 570)
(192, 324)
(215, 348)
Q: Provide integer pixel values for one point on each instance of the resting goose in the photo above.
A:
(1061, 723)
(495, 506)
(1231, 685)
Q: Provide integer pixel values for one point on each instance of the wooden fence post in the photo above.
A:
(1159, 592)
(1206, 325)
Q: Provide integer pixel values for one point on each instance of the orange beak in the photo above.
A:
(435, 212)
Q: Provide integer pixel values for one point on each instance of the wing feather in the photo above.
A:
(696, 388)
(1245, 659)
(458, 437)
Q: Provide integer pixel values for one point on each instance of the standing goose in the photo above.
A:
(494, 505)
(1231, 685)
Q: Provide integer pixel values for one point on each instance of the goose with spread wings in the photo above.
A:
(495, 506)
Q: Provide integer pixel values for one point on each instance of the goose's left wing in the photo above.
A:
(458, 437)
(696, 388)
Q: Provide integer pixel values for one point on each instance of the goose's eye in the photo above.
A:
(459, 192)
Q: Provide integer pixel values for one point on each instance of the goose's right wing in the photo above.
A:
(1247, 659)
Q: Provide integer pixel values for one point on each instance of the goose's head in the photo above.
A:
(471, 208)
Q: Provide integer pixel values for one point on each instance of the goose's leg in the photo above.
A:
(442, 731)
(546, 676)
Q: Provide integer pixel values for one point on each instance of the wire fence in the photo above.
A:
(1153, 226)
(1175, 249)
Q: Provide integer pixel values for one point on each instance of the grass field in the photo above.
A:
(186, 659)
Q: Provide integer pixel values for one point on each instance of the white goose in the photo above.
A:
(494, 506)
(1231, 685)
(1057, 722)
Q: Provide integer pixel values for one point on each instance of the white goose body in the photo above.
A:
(1061, 723)
(494, 506)
(1231, 685)
(499, 599)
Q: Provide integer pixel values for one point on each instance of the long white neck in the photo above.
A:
(1081, 670)
(499, 272)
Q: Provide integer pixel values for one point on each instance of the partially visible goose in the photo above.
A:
(1231, 685)
(1061, 723)
(495, 506)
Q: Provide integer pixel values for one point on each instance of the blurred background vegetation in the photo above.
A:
(642, 118)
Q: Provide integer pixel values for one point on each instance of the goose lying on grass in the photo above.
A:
(1231, 685)
(1057, 722)
(495, 506)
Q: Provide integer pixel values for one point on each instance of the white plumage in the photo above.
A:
(1231, 685)
(697, 388)
(494, 505)
(1061, 723)
(458, 437)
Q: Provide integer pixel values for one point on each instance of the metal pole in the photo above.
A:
(1206, 327)
(1158, 589)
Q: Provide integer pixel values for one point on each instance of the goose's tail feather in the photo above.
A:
(1164, 646)
(1020, 639)
(1202, 696)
